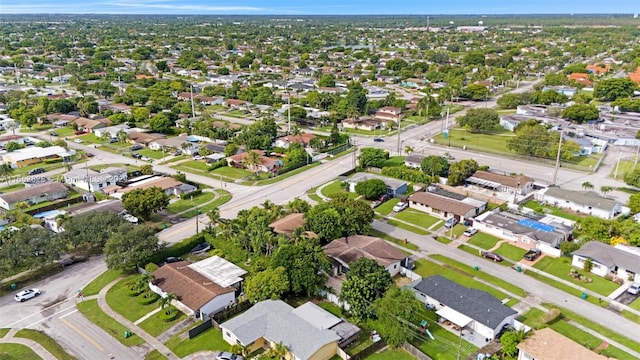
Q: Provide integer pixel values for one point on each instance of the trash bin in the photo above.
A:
(518, 269)
(476, 268)
(584, 296)
(14, 286)
(164, 226)
(127, 334)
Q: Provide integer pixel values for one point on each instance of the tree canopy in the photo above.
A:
(478, 120)
(131, 246)
(143, 203)
(371, 189)
(366, 282)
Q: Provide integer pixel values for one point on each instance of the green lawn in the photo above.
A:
(444, 240)
(17, 352)
(495, 144)
(483, 240)
(560, 267)
(427, 268)
(223, 197)
(333, 189)
(126, 305)
(446, 343)
(47, 167)
(174, 159)
(210, 340)
(47, 342)
(635, 304)
(417, 218)
(394, 161)
(534, 205)
(624, 166)
(631, 316)
(11, 188)
(155, 326)
(511, 252)
(154, 154)
(397, 354)
(36, 128)
(4, 332)
(404, 226)
(387, 207)
(183, 204)
(64, 131)
(91, 138)
(231, 172)
(91, 310)
(481, 275)
(94, 287)
(155, 355)
(194, 165)
(566, 288)
(382, 235)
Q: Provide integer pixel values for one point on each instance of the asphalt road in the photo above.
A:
(532, 286)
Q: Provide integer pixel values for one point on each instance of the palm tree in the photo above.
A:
(278, 351)
(166, 302)
(605, 189)
(122, 136)
(5, 171)
(408, 149)
(252, 159)
(587, 185)
(214, 219)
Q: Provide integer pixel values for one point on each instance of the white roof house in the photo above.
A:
(34, 154)
(91, 180)
(219, 270)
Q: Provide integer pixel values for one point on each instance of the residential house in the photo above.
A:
(510, 122)
(235, 104)
(60, 120)
(33, 195)
(118, 108)
(374, 92)
(395, 187)
(344, 251)
(145, 139)
(581, 78)
(307, 332)
(203, 288)
(469, 309)
(598, 69)
(91, 180)
(564, 90)
(111, 130)
(368, 124)
(544, 233)
(588, 145)
(514, 184)
(4, 140)
(389, 113)
(265, 164)
(169, 185)
(585, 202)
(447, 205)
(89, 125)
(33, 155)
(547, 344)
(635, 76)
(177, 143)
(285, 141)
(413, 83)
(608, 260)
(288, 224)
(414, 161)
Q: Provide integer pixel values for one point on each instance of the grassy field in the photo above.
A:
(154, 355)
(394, 161)
(534, 205)
(397, 354)
(210, 339)
(417, 218)
(4, 332)
(194, 165)
(126, 305)
(387, 207)
(11, 188)
(333, 189)
(17, 352)
(635, 304)
(183, 204)
(624, 166)
(560, 267)
(94, 287)
(155, 326)
(47, 342)
(483, 240)
(231, 172)
(411, 228)
(223, 197)
(92, 311)
(490, 143)
(154, 154)
(511, 252)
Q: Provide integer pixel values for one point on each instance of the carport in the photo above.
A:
(455, 317)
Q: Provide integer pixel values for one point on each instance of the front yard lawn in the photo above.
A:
(194, 165)
(483, 240)
(94, 287)
(210, 340)
(635, 304)
(394, 161)
(561, 267)
(16, 352)
(511, 252)
(184, 204)
(333, 189)
(534, 205)
(155, 325)
(126, 305)
(91, 310)
(417, 218)
(407, 227)
(397, 354)
(231, 172)
(223, 197)
(154, 154)
(387, 207)
(47, 342)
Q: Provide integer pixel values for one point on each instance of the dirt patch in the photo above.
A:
(601, 346)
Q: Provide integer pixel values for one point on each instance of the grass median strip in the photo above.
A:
(47, 342)
(94, 287)
(404, 226)
(10, 351)
(566, 288)
(92, 311)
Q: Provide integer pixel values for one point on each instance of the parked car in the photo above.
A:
(491, 256)
(532, 254)
(451, 222)
(400, 206)
(178, 152)
(228, 356)
(634, 289)
(198, 157)
(200, 248)
(448, 156)
(90, 155)
(470, 232)
(36, 171)
(113, 140)
(135, 155)
(137, 147)
(378, 140)
(145, 158)
(80, 132)
(27, 294)
(384, 198)
(53, 133)
(173, 259)
(78, 141)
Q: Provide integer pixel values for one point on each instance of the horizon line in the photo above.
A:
(319, 14)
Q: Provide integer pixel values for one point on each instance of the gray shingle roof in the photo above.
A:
(587, 198)
(609, 256)
(275, 321)
(478, 305)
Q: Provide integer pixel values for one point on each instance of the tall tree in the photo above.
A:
(143, 203)
(268, 284)
(478, 120)
(395, 311)
(131, 246)
(305, 263)
(366, 282)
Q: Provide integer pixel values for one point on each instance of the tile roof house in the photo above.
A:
(285, 141)
(143, 138)
(33, 195)
(389, 113)
(519, 184)
(471, 309)
(608, 260)
(89, 125)
(308, 332)
(580, 78)
(585, 202)
(203, 288)
(346, 250)
(288, 224)
(447, 205)
(266, 164)
(635, 76)
(547, 344)
(368, 124)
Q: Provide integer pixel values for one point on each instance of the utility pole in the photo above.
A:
(615, 173)
(193, 108)
(399, 119)
(288, 109)
(635, 162)
(555, 171)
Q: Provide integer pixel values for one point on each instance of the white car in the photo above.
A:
(78, 141)
(27, 294)
(470, 232)
(634, 289)
(400, 206)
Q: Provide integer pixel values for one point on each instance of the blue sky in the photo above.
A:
(329, 7)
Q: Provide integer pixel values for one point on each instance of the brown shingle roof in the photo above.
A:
(510, 181)
(441, 203)
(163, 183)
(192, 289)
(549, 345)
(351, 248)
(288, 224)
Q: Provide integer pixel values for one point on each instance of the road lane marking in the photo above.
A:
(43, 319)
(81, 333)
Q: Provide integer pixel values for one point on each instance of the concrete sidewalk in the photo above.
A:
(10, 338)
